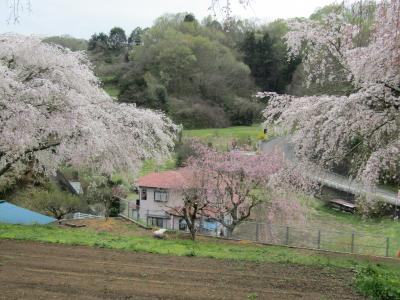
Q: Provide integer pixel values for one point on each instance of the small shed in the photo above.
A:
(12, 214)
(343, 205)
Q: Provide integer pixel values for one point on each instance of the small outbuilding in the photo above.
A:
(343, 205)
(12, 214)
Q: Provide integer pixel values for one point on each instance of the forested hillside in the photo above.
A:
(202, 73)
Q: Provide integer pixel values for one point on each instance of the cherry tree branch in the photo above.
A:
(42, 147)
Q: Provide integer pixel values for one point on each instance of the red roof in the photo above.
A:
(164, 180)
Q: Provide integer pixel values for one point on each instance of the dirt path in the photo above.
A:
(30, 270)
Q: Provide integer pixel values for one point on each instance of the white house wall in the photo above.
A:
(156, 208)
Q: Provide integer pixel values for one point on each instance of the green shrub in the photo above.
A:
(376, 209)
(195, 113)
(244, 112)
(184, 150)
(377, 283)
(49, 199)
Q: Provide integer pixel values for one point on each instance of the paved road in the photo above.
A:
(328, 178)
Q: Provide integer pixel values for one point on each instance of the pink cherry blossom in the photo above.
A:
(227, 186)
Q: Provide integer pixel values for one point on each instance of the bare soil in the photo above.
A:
(31, 270)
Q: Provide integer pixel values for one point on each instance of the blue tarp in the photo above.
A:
(210, 225)
(12, 214)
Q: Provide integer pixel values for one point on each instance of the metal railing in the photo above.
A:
(82, 216)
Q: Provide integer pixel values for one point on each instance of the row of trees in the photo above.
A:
(115, 40)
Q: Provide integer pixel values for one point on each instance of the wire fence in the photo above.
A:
(319, 239)
(302, 237)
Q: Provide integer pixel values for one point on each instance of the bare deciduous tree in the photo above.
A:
(16, 7)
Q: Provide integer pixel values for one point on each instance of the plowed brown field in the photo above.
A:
(30, 270)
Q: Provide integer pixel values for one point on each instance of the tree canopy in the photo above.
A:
(180, 61)
(117, 38)
(53, 111)
(361, 129)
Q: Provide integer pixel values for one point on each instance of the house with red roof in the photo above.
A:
(159, 196)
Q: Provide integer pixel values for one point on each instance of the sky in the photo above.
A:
(82, 18)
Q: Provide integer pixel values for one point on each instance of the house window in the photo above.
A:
(143, 194)
(158, 222)
(160, 196)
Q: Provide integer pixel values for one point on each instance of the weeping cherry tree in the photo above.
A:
(53, 112)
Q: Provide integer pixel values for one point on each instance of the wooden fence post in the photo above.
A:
(257, 232)
(387, 246)
(287, 235)
(319, 240)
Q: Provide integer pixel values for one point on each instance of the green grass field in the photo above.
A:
(230, 132)
(222, 137)
(205, 247)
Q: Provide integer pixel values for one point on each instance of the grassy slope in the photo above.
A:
(324, 217)
(230, 132)
(370, 234)
(222, 137)
(205, 247)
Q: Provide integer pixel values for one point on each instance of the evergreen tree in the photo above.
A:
(117, 38)
(135, 38)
